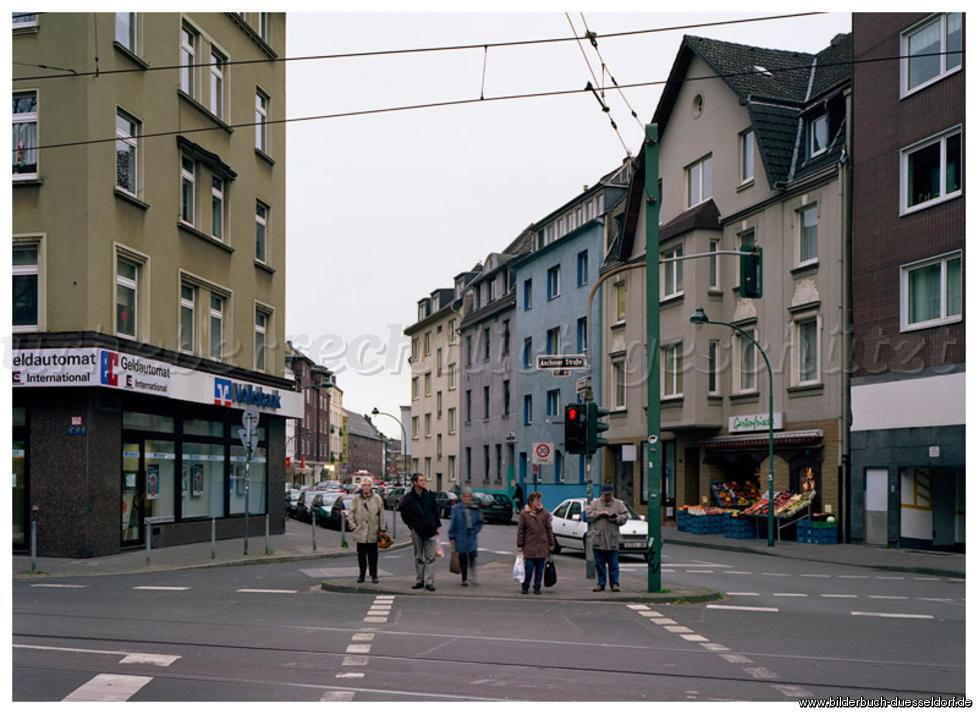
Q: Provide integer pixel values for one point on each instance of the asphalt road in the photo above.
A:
(786, 629)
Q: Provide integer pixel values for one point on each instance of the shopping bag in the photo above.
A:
(384, 541)
(455, 566)
(519, 569)
(550, 573)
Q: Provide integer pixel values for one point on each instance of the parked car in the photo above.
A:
(569, 529)
(496, 507)
(392, 501)
(445, 500)
(334, 508)
(303, 507)
(292, 501)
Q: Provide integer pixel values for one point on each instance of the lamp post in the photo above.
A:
(699, 318)
(377, 411)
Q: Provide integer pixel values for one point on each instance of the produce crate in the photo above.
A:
(704, 525)
(739, 528)
(817, 532)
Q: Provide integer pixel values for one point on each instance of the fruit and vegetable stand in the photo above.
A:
(741, 509)
(789, 508)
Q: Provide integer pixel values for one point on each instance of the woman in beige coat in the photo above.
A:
(367, 520)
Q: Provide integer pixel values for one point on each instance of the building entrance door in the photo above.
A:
(133, 493)
(943, 514)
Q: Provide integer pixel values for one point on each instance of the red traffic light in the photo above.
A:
(572, 414)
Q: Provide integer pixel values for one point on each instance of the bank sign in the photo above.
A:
(228, 393)
(755, 422)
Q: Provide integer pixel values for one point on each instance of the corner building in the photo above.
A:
(148, 278)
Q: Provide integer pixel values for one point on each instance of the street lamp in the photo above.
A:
(377, 411)
(699, 318)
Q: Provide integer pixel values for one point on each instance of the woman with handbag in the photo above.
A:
(534, 539)
(463, 531)
(367, 522)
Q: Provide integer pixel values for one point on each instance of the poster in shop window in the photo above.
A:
(198, 479)
(152, 482)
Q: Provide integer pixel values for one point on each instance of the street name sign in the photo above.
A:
(562, 362)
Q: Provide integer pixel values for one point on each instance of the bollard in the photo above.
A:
(314, 530)
(34, 546)
(213, 538)
(343, 530)
(266, 534)
(394, 525)
(149, 537)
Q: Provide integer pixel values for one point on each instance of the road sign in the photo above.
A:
(249, 440)
(561, 372)
(543, 453)
(653, 439)
(249, 419)
(561, 361)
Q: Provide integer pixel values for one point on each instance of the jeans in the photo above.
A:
(609, 559)
(367, 553)
(533, 569)
(466, 561)
(424, 558)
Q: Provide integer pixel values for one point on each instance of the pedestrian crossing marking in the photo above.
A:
(355, 661)
(357, 649)
(127, 657)
(108, 688)
(161, 587)
(694, 638)
(56, 585)
(270, 591)
(337, 695)
(363, 637)
(349, 675)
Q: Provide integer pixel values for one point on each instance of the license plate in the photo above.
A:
(633, 545)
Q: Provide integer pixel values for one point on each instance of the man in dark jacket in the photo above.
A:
(420, 513)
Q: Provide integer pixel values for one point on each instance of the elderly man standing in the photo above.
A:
(605, 516)
(420, 513)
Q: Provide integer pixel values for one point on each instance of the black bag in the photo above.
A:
(550, 573)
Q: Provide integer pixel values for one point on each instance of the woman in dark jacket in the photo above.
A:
(463, 531)
(534, 539)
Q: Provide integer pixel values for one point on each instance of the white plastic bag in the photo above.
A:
(519, 569)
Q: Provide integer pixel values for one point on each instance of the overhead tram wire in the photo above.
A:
(604, 65)
(416, 50)
(458, 102)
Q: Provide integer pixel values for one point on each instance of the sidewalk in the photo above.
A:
(295, 544)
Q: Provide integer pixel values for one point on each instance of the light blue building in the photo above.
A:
(552, 285)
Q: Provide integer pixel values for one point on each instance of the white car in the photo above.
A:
(569, 529)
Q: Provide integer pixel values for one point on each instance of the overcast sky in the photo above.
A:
(383, 209)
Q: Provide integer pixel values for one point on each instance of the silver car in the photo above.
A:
(569, 529)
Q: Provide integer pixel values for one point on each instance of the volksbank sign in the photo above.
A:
(755, 422)
(227, 392)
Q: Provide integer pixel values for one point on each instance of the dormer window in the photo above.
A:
(818, 134)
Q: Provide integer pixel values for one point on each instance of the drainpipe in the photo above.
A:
(845, 183)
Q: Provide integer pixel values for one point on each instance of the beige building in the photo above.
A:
(149, 251)
(755, 155)
(336, 415)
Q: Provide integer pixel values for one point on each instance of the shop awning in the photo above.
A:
(759, 439)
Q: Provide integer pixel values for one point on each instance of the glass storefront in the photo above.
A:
(21, 515)
(202, 495)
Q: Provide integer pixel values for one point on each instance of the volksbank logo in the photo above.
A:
(227, 392)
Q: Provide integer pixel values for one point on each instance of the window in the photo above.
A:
(527, 409)
(188, 51)
(451, 468)
(618, 382)
(451, 420)
(25, 271)
(218, 63)
(468, 405)
(261, 116)
(714, 265)
(553, 402)
(21, 20)
(930, 172)
(581, 335)
(747, 156)
(125, 30)
(486, 347)
(672, 370)
(485, 460)
(468, 350)
(806, 359)
(415, 431)
(528, 352)
(427, 343)
(485, 402)
(560, 227)
(582, 268)
(468, 463)
(414, 349)
(818, 134)
(672, 273)
(808, 235)
(527, 294)
(126, 287)
(427, 425)
(188, 306)
(620, 301)
(126, 131)
(930, 51)
(438, 361)
(699, 181)
(427, 384)
(188, 189)
(499, 462)
(553, 282)
(261, 327)
(451, 376)
(25, 135)
(261, 232)
(714, 352)
(492, 290)
(747, 364)
(553, 341)
(931, 292)
(438, 447)
(452, 335)
(217, 326)
(217, 207)
(549, 235)
(506, 397)
(415, 387)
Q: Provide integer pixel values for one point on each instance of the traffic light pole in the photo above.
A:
(653, 481)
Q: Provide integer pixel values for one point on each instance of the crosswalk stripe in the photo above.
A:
(127, 657)
(160, 587)
(56, 585)
(337, 695)
(742, 607)
(263, 590)
(893, 614)
(108, 688)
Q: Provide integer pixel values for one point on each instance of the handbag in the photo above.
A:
(519, 569)
(455, 566)
(549, 573)
(384, 541)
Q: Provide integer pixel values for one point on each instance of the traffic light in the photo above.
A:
(595, 426)
(575, 429)
(750, 271)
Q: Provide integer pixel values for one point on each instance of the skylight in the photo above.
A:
(763, 70)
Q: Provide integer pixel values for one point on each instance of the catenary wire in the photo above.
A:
(416, 50)
(458, 102)
(604, 65)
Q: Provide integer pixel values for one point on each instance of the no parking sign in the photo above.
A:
(543, 453)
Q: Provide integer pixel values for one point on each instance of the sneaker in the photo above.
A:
(525, 591)
(465, 583)
(615, 588)
(597, 588)
(360, 579)
(429, 587)
(417, 586)
(374, 579)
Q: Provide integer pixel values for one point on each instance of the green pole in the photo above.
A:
(652, 347)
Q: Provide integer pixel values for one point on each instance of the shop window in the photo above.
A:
(203, 427)
(256, 481)
(159, 458)
(148, 422)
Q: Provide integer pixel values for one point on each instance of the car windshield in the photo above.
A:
(330, 498)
